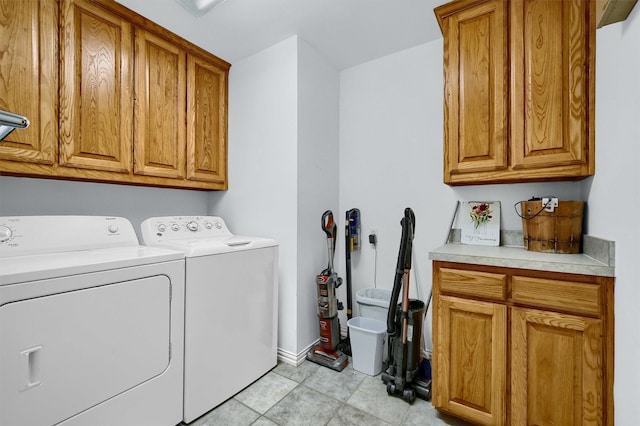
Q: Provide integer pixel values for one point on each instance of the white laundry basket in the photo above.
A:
(367, 344)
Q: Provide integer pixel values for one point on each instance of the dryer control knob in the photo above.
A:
(162, 227)
(218, 225)
(5, 233)
(175, 227)
(112, 229)
(208, 225)
(192, 226)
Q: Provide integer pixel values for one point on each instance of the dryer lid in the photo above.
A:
(40, 247)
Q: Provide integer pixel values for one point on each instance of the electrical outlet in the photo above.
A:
(373, 236)
(550, 203)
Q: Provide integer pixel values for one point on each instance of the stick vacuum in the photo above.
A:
(352, 243)
(404, 326)
(325, 352)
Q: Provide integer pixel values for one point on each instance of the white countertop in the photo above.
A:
(518, 257)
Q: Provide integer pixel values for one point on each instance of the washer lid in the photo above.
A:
(197, 235)
(194, 247)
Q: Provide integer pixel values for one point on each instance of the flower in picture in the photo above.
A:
(480, 213)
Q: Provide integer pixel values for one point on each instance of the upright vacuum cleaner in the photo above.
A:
(325, 352)
(404, 326)
(352, 243)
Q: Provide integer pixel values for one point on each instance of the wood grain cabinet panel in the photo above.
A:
(475, 87)
(160, 108)
(29, 82)
(470, 358)
(96, 88)
(551, 88)
(476, 283)
(556, 369)
(562, 295)
(206, 121)
(541, 356)
(519, 90)
(118, 99)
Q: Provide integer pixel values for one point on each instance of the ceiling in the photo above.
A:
(346, 32)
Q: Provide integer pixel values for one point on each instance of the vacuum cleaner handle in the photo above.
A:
(409, 217)
(331, 229)
(404, 263)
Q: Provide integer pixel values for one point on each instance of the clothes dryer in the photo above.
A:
(91, 324)
(231, 306)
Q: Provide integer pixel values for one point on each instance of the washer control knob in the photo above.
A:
(192, 226)
(162, 227)
(5, 233)
(208, 225)
(112, 229)
(175, 227)
(218, 225)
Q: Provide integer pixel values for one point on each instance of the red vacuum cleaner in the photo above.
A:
(404, 326)
(325, 352)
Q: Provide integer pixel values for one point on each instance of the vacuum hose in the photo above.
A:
(402, 267)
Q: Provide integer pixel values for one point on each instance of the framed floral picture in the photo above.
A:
(480, 223)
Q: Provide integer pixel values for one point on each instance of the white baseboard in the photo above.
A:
(292, 358)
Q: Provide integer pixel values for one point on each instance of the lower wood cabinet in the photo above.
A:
(522, 347)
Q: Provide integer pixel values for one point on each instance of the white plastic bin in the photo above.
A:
(367, 344)
(373, 303)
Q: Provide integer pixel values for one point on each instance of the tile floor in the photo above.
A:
(314, 395)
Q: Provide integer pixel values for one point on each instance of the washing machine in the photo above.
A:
(91, 324)
(231, 306)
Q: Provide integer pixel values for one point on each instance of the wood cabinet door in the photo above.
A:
(556, 369)
(206, 121)
(552, 46)
(470, 359)
(29, 79)
(160, 107)
(475, 68)
(96, 88)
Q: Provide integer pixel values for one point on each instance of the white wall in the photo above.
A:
(614, 195)
(318, 97)
(24, 196)
(283, 171)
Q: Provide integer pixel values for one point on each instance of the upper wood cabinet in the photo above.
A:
(519, 90)
(96, 88)
(137, 104)
(160, 108)
(206, 121)
(29, 81)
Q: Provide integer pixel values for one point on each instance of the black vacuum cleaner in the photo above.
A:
(352, 243)
(404, 326)
(326, 352)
